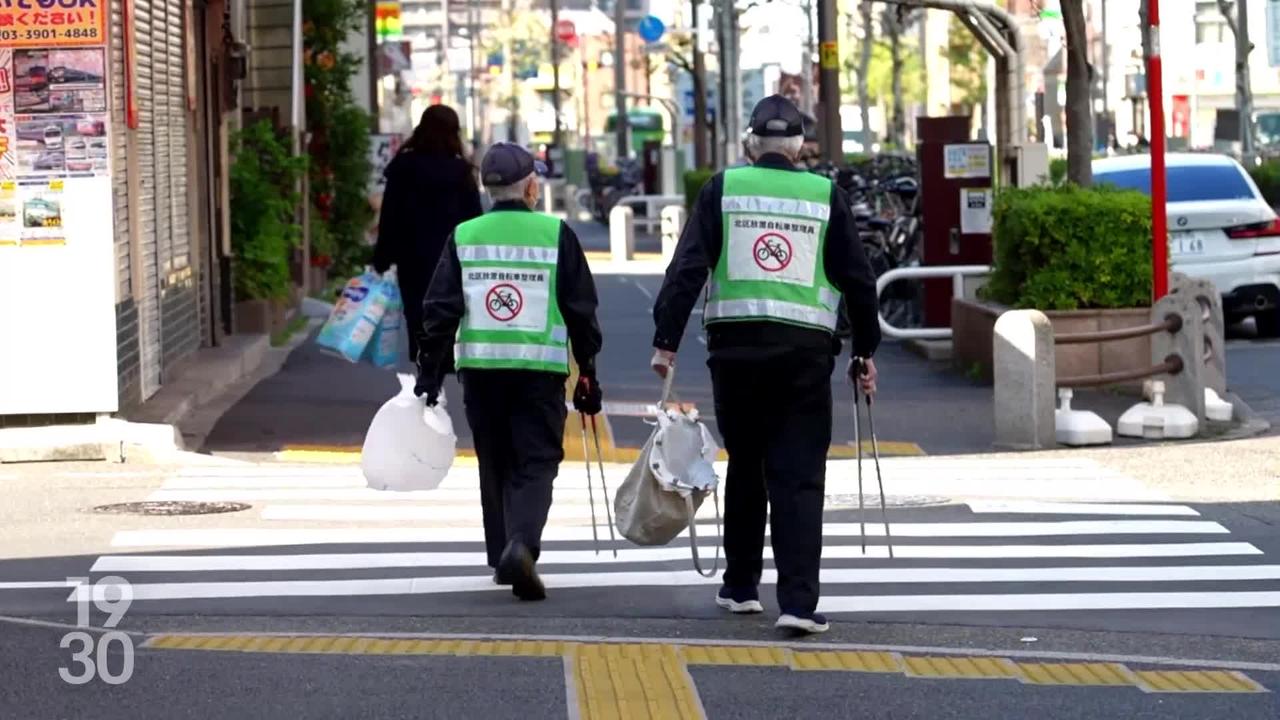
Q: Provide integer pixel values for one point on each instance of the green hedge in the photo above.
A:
(1267, 177)
(693, 182)
(1057, 171)
(1071, 248)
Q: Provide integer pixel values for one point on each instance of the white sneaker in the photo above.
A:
(739, 607)
(811, 625)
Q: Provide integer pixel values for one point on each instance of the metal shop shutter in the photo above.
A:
(146, 204)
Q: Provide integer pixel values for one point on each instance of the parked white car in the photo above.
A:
(1220, 229)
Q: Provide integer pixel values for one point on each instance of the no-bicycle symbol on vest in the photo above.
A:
(504, 302)
(772, 252)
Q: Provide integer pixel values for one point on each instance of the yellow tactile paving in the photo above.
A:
(605, 672)
(632, 681)
(871, 662)
(1196, 681)
(1075, 674)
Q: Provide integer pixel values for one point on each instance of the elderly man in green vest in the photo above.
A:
(780, 246)
(511, 296)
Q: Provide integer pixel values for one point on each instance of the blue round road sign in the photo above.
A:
(651, 28)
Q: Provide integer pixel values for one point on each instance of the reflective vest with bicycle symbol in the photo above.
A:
(512, 320)
(771, 264)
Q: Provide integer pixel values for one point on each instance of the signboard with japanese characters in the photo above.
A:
(52, 23)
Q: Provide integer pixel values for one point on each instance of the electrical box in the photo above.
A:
(1032, 166)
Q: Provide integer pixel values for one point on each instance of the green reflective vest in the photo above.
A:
(512, 319)
(771, 263)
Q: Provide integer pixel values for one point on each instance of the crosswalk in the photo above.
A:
(968, 536)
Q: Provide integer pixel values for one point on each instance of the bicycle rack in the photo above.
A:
(957, 273)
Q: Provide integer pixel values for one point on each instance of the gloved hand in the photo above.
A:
(428, 381)
(863, 372)
(588, 398)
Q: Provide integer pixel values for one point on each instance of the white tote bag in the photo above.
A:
(661, 495)
(409, 446)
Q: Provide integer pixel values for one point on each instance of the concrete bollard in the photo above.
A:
(1185, 388)
(1023, 365)
(673, 219)
(1214, 373)
(571, 202)
(549, 191)
(622, 233)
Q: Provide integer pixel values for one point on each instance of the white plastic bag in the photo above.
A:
(409, 446)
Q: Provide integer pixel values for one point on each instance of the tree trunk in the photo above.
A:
(864, 67)
(1079, 105)
(700, 159)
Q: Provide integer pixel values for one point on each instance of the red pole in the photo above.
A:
(1159, 215)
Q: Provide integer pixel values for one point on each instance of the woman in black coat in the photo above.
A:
(431, 188)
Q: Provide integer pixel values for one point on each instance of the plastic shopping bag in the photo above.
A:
(384, 349)
(409, 446)
(356, 316)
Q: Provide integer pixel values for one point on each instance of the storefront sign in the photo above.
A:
(56, 206)
(46, 23)
(967, 161)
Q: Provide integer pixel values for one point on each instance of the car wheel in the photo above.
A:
(1268, 323)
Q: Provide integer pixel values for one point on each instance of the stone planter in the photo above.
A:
(973, 325)
(261, 317)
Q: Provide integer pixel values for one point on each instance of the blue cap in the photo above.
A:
(507, 164)
(776, 116)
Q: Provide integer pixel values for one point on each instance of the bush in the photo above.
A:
(1267, 177)
(1057, 171)
(1071, 248)
(693, 182)
(264, 198)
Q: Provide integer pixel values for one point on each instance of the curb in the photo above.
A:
(1251, 423)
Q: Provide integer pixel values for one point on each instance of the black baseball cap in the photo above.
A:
(776, 116)
(507, 163)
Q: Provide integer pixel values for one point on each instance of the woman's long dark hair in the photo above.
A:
(439, 132)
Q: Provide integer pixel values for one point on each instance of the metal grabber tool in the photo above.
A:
(875, 453)
(586, 456)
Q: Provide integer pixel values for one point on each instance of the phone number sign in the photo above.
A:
(52, 23)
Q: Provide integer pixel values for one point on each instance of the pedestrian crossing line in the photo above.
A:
(1069, 508)
(445, 585)
(652, 680)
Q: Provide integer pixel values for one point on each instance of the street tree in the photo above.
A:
(1079, 118)
(865, 12)
(897, 21)
(1232, 13)
(968, 60)
(681, 55)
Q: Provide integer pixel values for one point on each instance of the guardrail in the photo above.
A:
(957, 273)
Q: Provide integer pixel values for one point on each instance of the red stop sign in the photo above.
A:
(565, 31)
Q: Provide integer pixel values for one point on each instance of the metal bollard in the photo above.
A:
(1185, 388)
(622, 233)
(673, 219)
(1025, 374)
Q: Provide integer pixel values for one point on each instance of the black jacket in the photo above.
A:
(427, 195)
(698, 252)
(443, 308)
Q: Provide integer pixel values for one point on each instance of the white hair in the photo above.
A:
(758, 145)
(512, 192)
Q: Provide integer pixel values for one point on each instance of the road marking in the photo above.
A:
(646, 678)
(35, 585)
(1069, 508)
(648, 294)
(443, 585)
(1047, 601)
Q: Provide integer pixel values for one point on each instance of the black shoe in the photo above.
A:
(496, 580)
(809, 624)
(739, 601)
(516, 569)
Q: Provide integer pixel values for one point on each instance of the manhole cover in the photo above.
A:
(872, 500)
(172, 508)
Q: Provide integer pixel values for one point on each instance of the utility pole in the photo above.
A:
(555, 72)
(1244, 87)
(509, 52)
(806, 64)
(731, 85)
(620, 76)
(830, 136)
(1106, 78)
(699, 95)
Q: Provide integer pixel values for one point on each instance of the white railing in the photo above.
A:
(957, 273)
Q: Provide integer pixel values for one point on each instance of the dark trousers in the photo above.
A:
(775, 417)
(517, 422)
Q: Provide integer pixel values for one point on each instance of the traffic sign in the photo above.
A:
(651, 28)
(566, 31)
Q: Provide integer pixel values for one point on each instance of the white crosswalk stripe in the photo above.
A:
(997, 537)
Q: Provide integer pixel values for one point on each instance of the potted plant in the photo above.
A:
(1080, 255)
(264, 200)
